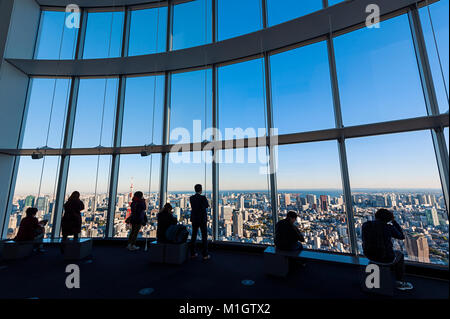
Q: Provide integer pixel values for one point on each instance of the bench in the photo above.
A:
(16, 250)
(74, 249)
(168, 253)
(276, 261)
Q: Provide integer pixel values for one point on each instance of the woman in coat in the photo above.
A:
(137, 219)
(71, 221)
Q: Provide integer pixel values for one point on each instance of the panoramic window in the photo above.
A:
(435, 21)
(191, 24)
(137, 173)
(143, 110)
(95, 113)
(35, 187)
(378, 75)
(46, 114)
(309, 183)
(185, 171)
(399, 172)
(282, 11)
(148, 31)
(191, 108)
(241, 100)
(104, 34)
(237, 17)
(245, 213)
(301, 90)
(89, 175)
(55, 40)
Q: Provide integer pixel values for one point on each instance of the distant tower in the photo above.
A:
(130, 199)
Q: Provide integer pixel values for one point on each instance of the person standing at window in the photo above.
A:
(137, 219)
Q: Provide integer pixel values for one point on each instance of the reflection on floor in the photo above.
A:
(117, 273)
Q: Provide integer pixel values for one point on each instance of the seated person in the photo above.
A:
(30, 228)
(377, 244)
(165, 220)
(287, 235)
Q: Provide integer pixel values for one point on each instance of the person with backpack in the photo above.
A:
(377, 244)
(137, 219)
(169, 231)
(165, 220)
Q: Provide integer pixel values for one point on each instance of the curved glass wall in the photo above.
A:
(55, 39)
(377, 80)
(147, 30)
(434, 20)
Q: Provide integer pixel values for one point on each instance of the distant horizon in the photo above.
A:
(298, 190)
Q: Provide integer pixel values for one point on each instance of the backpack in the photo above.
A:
(177, 234)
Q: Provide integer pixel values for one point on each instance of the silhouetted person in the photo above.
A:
(30, 228)
(377, 244)
(287, 235)
(199, 217)
(71, 220)
(165, 220)
(137, 219)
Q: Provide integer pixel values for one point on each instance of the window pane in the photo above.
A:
(95, 113)
(89, 175)
(236, 17)
(104, 33)
(245, 213)
(190, 111)
(282, 11)
(378, 74)
(186, 170)
(191, 24)
(137, 173)
(55, 40)
(46, 115)
(31, 191)
(301, 90)
(435, 16)
(333, 2)
(309, 182)
(446, 137)
(241, 99)
(399, 172)
(143, 111)
(148, 31)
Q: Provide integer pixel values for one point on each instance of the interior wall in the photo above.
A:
(19, 22)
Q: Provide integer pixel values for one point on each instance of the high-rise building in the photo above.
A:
(29, 201)
(417, 248)
(324, 202)
(238, 224)
(432, 216)
(241, 204)
(287, 199)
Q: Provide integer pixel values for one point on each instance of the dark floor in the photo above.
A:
(117, 273)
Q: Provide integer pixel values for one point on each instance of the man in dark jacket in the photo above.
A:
(199, 217)
(287, 235)
(377, 244)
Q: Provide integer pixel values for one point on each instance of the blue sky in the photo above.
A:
(378, 81)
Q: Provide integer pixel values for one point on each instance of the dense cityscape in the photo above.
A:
(246, 217)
